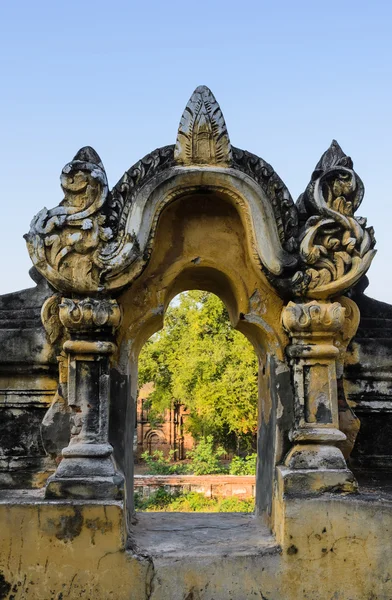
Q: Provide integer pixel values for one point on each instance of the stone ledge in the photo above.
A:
(192, 535)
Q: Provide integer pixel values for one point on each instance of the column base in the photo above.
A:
(86, 471)
(87, 488)
(315, 456)
(314, 482)
(313, 469)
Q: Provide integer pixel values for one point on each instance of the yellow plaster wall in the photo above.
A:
(331, 549)
(53, 551)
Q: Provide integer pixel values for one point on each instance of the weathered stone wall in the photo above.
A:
(368, 384)
(28, 384)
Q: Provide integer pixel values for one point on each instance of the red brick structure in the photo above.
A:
(169, 435)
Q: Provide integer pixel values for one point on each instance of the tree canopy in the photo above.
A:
(200, 361)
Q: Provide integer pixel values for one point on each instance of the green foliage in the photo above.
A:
(205, 459)
(233, 504)
(199, 360)
(158, 500)
(243, 466)
(190, 502)
(161, 500)
(159, 465)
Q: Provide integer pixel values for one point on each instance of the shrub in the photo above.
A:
(159, 465)
(243, 466)
(161, 500)
(192, 502)
(157, 501)
(205, 459)
(233, 504)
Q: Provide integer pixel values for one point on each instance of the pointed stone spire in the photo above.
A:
(202, 137)
(333, 157)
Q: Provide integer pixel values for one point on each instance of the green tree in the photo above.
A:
(198, 359)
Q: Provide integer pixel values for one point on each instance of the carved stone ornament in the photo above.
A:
(336, 248)
(97, 241)
(89, 314)
(314, 317)
(202, 135)
(50, 318)
(64, 242)
(285, 211)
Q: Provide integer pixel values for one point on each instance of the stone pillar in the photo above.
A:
(315, 464)
(87, 469)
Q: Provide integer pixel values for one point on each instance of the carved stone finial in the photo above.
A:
(202, 135)
(336, 247)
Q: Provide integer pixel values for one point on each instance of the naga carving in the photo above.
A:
(336, 248)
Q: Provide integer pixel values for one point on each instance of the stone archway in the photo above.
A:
(204, 215)
(214, 259)
(153, 438)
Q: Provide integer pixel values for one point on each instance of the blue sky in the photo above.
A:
(289, 77)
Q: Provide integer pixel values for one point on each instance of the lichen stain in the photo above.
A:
(292, 550)
(323, 414)
(5, 587)
(98, 525)
(66, 527)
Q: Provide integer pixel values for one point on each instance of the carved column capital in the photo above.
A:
(89, 315)
(313, 319)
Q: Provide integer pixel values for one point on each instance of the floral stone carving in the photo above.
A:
(303, 320)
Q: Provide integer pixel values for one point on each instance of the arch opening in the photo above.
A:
(198, 396)
(201, 243)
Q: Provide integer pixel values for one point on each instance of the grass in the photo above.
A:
(163, 501)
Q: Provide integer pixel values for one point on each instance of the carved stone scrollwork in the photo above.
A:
(285, 211)
(64, 242)
(50, 318)
(96, 241)
(336, 248)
